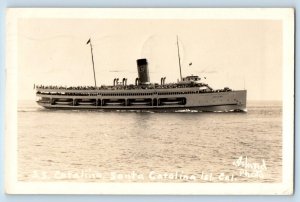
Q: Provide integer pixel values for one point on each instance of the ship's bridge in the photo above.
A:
(191, 78)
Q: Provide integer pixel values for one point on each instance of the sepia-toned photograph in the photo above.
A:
(149, 101)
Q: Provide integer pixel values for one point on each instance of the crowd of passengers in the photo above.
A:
(68, 88)
(155, 86)
(123, 94)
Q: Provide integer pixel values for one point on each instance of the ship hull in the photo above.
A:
(154, 101)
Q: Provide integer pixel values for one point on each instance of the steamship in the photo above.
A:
(188, 93)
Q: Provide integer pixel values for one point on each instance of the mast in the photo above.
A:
(179, 59)
(90, 42)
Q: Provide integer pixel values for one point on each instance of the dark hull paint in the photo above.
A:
(218, 108)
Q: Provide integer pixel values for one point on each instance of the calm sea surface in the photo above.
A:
(93, 146)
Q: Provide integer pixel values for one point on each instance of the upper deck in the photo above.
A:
(127, 90)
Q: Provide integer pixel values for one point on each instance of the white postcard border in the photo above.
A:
(12, 185)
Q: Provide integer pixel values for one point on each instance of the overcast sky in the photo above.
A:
(229, 53)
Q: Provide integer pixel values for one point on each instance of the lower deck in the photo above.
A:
(218, 101)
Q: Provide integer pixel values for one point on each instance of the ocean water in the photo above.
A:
(95, 146)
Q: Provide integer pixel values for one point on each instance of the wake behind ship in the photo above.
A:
(189, 93)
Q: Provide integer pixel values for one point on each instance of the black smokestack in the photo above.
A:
(143, 71)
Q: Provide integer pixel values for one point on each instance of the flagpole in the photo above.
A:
(179, 59)
(90, 42)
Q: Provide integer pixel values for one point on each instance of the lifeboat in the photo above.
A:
(140, 103)
(171, 102)
(85, 103)
(114, 103)
(63, 102)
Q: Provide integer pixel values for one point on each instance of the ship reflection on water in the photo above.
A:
(191, 143)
